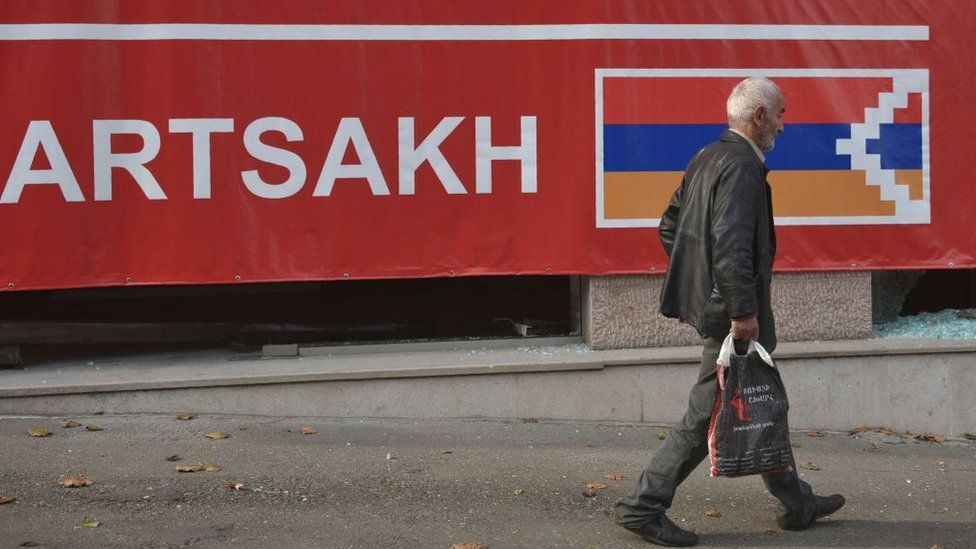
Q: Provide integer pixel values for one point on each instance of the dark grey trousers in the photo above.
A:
(686, 446)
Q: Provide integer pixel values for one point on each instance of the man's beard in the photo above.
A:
(769, 137)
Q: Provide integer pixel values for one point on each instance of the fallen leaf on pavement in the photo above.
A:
(859, 430)
(235, 485)
(588, 494)
(519, 491)
(71, 424)
(941, 465)
(38, 432)
(936, 546)
(594, 486)
(815, 434)
(614, 476)
(93, 428)
(90, 522)
(173, 457)
(934, 438)
(75, 482)
(445, 452)
(101, 491)
(469, 545)
(216, 435)
(662, 434)
(885, 431)
(210, 467)
(809, 466)
(187, 416)
(530, 420)
(969, 436)
(872, 446)
(390, 456)
(7, 499)
(189, 468)
(242, 428)
(307, 430)
(30, 544)
(188, 495)
(770, 531)
(713, 512)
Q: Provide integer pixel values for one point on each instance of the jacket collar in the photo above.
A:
(730, 136)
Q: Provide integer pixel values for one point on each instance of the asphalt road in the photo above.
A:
(400, 483)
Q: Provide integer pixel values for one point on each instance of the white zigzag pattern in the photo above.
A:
(856, 148)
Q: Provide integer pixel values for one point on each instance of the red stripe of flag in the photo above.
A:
(701, 100)
(912, 113)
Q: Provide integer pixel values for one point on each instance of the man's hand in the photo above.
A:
(745, 328)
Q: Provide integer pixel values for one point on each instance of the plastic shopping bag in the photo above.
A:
(748, 433)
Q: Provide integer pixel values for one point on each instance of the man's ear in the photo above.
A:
(758, 115)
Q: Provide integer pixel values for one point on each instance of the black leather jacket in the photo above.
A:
(718, 233)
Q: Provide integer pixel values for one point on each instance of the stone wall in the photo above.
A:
(621, 311)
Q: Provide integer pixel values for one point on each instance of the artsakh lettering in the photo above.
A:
(350, 133)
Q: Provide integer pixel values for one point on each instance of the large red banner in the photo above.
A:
(170, 142)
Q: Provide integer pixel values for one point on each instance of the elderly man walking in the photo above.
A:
(718, 233)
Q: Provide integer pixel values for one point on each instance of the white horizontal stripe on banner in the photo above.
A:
(200, 31)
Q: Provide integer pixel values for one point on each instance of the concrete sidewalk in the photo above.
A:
(433, 483)
(910, 385)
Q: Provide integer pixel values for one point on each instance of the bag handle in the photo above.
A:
(728, 349)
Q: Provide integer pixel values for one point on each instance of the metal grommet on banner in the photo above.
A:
(450, 273)
(128, 279)
(653, 269)
(548, 270)
(951, 264)
(853, 265)
(345, 275)
(237, 278)
(10, 285)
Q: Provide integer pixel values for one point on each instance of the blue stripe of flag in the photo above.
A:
(669, 147)
(900, 146)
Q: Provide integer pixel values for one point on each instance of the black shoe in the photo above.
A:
(664, 532)
(829, 505)
(826, 505)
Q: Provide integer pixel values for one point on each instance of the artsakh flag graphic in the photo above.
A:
(854, 149)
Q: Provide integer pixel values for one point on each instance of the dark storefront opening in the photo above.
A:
(904, 302)
(939, 290)
(135, 319)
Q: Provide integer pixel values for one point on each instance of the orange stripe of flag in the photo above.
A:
(796, 193)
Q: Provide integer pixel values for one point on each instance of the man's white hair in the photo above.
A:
(749, 95)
